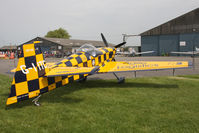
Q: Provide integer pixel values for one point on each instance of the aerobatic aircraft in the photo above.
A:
(188, 52)
(33, 76)
(134, 53)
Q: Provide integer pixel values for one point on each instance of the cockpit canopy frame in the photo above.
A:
(88, 48)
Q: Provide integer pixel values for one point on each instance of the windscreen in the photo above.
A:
(90, 49)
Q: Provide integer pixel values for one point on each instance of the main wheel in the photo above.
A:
(121, 80)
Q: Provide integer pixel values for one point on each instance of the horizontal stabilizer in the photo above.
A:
(48, 65)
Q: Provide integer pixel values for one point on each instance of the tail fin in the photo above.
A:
(31, 66)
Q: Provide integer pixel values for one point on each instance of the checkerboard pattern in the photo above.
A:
(83, 59)
(29, 80)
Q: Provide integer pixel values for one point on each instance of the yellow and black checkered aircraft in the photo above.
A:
(33, 76)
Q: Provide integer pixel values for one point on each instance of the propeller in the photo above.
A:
(119, 45)
(104, 40)
(106, 43)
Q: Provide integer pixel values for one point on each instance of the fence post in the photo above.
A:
(173, 72)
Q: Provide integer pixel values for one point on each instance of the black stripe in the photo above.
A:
(59, 84)
(41, 72)
(81, 76)
(29, 60)
(104, 57)
(37, 49)
(20, 77)
(68, 63)
(99, 59)
(13, 91)
(85, 64)
(22, 97)
(64, 77)
(51, 80)
(70, 79)
(33, 85)
(111, 54)
(105, 50)
(79, 53)
(69, 58)
(44, 90)
(79, 60)
(87, 56)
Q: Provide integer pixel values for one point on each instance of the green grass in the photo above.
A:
(190, 76)
(141, 105)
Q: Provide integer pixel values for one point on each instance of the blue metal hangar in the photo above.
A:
(180, 34)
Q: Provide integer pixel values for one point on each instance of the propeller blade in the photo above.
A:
(119, 45)
(104, 40)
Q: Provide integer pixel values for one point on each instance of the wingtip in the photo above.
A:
(190, 64)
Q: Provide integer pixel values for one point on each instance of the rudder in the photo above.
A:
(31, 66)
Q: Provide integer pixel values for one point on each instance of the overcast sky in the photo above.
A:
(22, 20)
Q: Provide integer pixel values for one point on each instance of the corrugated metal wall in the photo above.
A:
(149, 43)
(192, 41)
(168, 43)
(187, 23)
(164, 44)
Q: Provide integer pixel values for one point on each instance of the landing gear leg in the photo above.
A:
(120, 79)
(36, 101)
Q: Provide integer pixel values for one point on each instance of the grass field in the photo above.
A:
(141, 105)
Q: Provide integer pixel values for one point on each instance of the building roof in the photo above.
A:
(72, 42)
(187, 23)
(8, 47)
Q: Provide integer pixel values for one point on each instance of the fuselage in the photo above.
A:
(87, 59)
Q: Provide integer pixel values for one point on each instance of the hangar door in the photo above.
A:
(168, 43)
(149, 43)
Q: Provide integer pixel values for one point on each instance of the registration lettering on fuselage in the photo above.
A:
(41, 66)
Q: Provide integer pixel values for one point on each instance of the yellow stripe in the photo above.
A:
(11, 100)
(141, 65)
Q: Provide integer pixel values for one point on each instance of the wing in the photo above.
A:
(141, 65)
(127, 53)
(64, 71)
(50, 64)
(147, 52)
(124, 53)
(188, 53)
